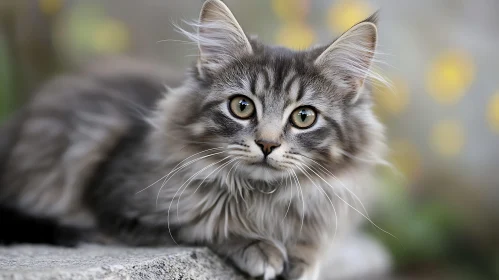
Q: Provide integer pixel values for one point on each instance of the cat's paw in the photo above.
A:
(302, 262)
(294, 269)
(260, 259)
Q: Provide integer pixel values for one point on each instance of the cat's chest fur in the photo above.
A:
(114, 144)
(201, 210)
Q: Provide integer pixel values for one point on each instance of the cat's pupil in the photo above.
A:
(242, 105)
(303, 115)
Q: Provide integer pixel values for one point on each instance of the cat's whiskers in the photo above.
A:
(200, 184)
(355, 199)
(242, 155)
(181, 187)
(218, 169)
(297, 181)
(175, 41)
(375, 160)
(178, 169)
(229, 182)
(349, 205)
(323, 192)
(325, 170)
(174, 168)
(192, 177)
(290, 196)
(234, 181)
(366, 216)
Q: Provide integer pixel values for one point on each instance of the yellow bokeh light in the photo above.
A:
(406, 158)
(290, 10)
(393, 99)
(450, 76)
(111, 36)
(493, 112)
(296, 36)
(447, 138)
(50, 7)
(346, 13)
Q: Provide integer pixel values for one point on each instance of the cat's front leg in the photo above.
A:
(258, 258)
(303, 261)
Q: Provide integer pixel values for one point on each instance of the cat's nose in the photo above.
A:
(267, 146)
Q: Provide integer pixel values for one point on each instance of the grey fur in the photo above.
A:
(106, 151)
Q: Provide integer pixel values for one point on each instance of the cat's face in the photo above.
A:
(273, 110)
(276, 112)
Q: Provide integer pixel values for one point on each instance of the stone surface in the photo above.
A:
(109, 263)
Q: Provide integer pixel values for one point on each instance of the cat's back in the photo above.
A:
(52, 147)
(128, 86)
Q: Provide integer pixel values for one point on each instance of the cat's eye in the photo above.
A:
(242, 107)
(303, 117)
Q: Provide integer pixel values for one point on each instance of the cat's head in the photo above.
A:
(270, 109)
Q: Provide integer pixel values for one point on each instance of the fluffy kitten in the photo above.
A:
(260, 154)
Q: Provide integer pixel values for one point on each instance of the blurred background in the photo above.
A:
(441, 200)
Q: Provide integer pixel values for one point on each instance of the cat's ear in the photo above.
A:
(348, 59)
(220, 37)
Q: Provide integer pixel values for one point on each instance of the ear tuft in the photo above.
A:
(348, 59)
(373, 18)
(220, 37)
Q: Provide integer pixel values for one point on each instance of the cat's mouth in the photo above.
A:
(262, 172)
(264, 164)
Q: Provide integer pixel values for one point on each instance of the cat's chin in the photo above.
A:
(263, 172)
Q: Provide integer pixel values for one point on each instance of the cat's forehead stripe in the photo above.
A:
(260, 82)
(283, 80)
(293, 89)
(289, 81)
(301, 91)
(253, 86)
(247, 84)
(280, 73)
(270, 77)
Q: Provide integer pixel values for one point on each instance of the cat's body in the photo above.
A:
(53, 148)
(120, 155)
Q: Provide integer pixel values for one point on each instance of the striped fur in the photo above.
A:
(142, 165)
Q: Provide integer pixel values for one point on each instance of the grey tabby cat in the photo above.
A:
(263, 153)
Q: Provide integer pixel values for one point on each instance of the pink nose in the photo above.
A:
(267, 146)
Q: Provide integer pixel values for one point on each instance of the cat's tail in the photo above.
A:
(18, 228)
(15, 225)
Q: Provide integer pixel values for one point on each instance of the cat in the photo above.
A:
(263, 154)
